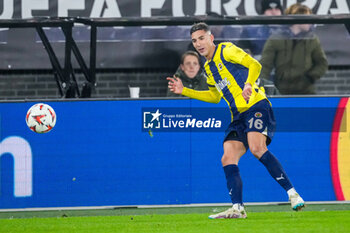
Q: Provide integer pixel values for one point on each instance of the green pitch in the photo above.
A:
(319, 218)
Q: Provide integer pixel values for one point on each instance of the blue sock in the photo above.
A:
(234, 183)
(276, 170)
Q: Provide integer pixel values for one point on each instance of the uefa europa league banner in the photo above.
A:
(145, 8)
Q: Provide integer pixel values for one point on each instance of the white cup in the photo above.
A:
(134, 92)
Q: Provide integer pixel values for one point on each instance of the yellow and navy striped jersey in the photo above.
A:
(227, 72)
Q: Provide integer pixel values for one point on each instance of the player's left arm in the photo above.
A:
(237, 55)
(254, 68)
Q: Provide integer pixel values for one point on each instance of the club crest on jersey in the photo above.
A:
(258, 115)
(220, 66)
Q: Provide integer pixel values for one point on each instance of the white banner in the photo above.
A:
(146, 8)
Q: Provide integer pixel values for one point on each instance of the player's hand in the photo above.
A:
(247, 91)
(175, 85)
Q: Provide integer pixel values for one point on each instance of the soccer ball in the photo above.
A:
(41, 118)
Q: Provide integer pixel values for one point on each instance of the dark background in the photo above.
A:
(137, 47)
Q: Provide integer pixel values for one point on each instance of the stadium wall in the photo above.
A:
(115, 84)
(102, 153)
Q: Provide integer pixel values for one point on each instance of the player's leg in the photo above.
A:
(257, 145)
(260, 127)
(233, 151)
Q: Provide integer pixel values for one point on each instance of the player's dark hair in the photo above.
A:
(199, 26)
(190, 53)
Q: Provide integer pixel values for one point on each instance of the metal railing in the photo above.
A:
(65, 77)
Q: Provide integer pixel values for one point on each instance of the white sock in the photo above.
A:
(291, 192)
(238, 207)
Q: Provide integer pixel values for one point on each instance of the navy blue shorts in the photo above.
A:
(259, 118)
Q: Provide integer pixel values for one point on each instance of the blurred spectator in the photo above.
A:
(190, 73)
(296, 55)
(255, 36)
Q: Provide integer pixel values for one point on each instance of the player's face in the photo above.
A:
(190, 66)
(203, 42)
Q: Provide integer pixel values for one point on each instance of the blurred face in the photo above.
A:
(298, 28)
(190, 66)
(305, 27)
(203, 42)
(273, 12)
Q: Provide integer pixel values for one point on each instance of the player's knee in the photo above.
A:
(229, 158)
(257, 150)
(225, 159)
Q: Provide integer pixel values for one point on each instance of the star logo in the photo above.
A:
(156, 115)
(151, 119)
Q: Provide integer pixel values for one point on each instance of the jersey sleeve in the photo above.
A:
(254, 69)
(236, 55)
(211, 96)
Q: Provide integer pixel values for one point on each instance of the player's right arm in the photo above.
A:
(212, 95)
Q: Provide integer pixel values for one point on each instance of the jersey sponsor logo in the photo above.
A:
(223, 83)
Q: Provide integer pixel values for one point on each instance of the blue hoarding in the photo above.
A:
(99, 153)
